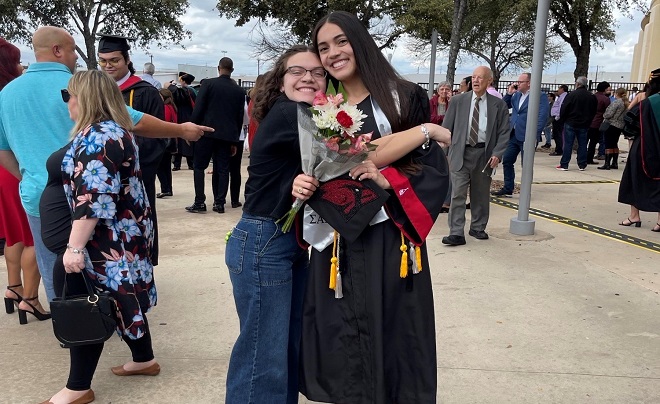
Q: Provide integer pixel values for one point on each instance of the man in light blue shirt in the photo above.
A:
(35, 122)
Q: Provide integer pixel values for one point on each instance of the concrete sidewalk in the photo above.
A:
(564, 316)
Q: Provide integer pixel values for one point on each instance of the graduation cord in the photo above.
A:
(130, 99)
(416, 265)
(335, 274)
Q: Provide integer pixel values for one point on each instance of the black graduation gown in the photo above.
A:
(377, 343)
(184, 99)
(640, 183)
(144, 97)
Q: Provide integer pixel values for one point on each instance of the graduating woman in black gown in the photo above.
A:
(640, 183)
(376, 344)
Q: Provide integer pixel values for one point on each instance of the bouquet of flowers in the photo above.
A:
(329, 141)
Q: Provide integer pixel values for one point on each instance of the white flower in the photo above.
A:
(113, 272)
(67, 163)
(94, 174)
(136, 189)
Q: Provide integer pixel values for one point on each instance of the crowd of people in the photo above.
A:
(89, 146)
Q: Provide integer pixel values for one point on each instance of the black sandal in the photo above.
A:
(656, 228)
(11, 302)
(22, 314)
(630, 223)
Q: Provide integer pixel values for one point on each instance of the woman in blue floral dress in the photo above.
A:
(111, 232)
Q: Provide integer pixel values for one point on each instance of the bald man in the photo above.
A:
(479, 123)
(34, 123)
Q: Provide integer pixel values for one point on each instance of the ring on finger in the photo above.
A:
(300, 190)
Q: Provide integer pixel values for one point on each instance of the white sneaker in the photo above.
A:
(560, 168)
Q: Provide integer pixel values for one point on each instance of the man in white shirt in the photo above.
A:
(557, 126)
(148, 76)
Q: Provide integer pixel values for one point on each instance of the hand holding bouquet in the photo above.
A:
(329, 141)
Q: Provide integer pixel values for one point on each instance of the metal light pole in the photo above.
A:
(522, 225)
(434, 44)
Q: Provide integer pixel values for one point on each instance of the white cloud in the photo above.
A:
(212, 36)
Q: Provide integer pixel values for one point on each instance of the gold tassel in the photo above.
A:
(418, 256)
(333, 264)
(403, 272)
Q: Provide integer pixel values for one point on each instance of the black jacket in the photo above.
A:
(220, 104)
(146, 98)
(578, 108)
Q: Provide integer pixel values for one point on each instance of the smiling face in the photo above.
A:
(303, 88)
(336, 52)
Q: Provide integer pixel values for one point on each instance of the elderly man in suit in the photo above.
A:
(479, 123)
(219, 105)
(518, 101)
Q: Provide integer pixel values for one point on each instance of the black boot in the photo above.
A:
(614, 165)
(606, 166)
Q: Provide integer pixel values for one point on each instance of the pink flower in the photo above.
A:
(336, 100)
(344, 119)
(332, 144)
(320, 98)
(359, 143)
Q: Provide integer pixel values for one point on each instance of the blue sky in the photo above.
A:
(212, 36)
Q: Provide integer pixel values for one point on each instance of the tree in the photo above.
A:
(499, 32)
(283, 22)
(584, 23)
(146, 20)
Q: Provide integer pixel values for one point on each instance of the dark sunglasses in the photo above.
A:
(65, 95)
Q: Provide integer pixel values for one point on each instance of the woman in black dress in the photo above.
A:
(376, 344)
(640, 184)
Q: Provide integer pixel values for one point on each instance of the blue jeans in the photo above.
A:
(268, 272)
(45, 257)
(548, 134)
(570, 134)
(514, 148)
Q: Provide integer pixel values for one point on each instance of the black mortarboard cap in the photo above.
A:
(113, 43)
(654, 74)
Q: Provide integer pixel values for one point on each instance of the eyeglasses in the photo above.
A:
(111, 62)
(522, 81)
(299, 71)
(65, 95)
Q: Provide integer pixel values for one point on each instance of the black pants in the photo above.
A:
(594, 137)
(149, 173)
(164, 174)
(85, 358)
(177, 161)
(558, 136)
(220, 150)
(612, 139)
(234, 175)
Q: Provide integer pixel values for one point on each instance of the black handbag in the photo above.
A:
(604, 126)
(83, 319)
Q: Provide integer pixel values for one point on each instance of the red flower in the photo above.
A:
(344, 119)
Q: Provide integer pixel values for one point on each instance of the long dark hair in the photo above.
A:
(168, 98)
(10, 57)
(266, 94)
(377, 74)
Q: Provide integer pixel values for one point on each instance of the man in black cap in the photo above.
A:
(142, 96)
(219, 105)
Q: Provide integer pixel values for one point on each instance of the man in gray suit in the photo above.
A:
(479, 123)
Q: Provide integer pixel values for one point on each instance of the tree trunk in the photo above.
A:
(454, 46)
(91, 52)
(582, 54)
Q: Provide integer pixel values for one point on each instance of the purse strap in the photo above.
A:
(92, 296)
